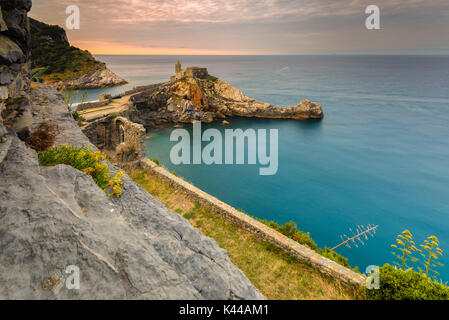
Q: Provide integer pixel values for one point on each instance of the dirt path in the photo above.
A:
(116, 106)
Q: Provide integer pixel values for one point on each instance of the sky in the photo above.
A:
(182, 27)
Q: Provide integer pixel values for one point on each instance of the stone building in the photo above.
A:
(119, 137)
(189, 72)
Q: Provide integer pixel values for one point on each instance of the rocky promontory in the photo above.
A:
(63, 65)
(101, 78)
(193, 94)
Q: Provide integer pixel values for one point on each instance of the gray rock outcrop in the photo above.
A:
(15, 65)
(130, 247)
(52, 218)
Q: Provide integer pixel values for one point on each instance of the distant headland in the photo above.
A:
(58, 64)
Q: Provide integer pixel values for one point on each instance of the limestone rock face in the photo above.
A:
(15, 65)
(191, 99)
(56, 218)
(130, 247)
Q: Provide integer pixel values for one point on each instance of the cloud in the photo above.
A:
(258, 26)
(213, 11)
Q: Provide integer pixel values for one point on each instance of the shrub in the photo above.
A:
(77, 116)
(406, 246)
(334, 256)
(431, 253)
(85, 160)
(43, 138)
(190, 215)
(156, 161)
(291, 230)
(37, 73)
(70, 96)
(396, 284)
(175, 174)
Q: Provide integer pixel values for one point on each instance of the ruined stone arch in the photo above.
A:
(120, 131)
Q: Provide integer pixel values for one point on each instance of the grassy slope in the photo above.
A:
(50, 49)
(276, 274)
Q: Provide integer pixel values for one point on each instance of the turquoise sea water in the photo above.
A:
(380, 155)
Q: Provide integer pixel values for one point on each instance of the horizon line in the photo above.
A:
(280, 54)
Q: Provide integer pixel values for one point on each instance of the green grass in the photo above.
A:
(275, 273)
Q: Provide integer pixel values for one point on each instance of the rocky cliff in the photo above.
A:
(51, 218)
(64, 65)
(189, 99)
(15, 105)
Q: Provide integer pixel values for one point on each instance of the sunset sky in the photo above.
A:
(252, 26)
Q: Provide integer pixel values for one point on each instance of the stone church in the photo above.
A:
(189, 72)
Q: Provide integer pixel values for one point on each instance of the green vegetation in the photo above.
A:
(291, 230)
(396, 284)
(338, 258)
(37, 73)
(156, 161)
(112, 115)
(431, 245)
(85, 160)
(274, 272)
(175, 174)
(70, 96)
(402, 282)
(51, 50)
(77, 116)
(405, 245)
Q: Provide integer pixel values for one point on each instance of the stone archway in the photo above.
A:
(119, 132)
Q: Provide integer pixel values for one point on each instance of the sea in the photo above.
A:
(379, 157)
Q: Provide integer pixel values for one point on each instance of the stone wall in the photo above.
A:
(299, 251)
(196, 72)
(15, 107)
(191, 72)
(103, 100)
(124, 137)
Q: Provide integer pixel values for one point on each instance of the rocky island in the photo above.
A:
(192, 94)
